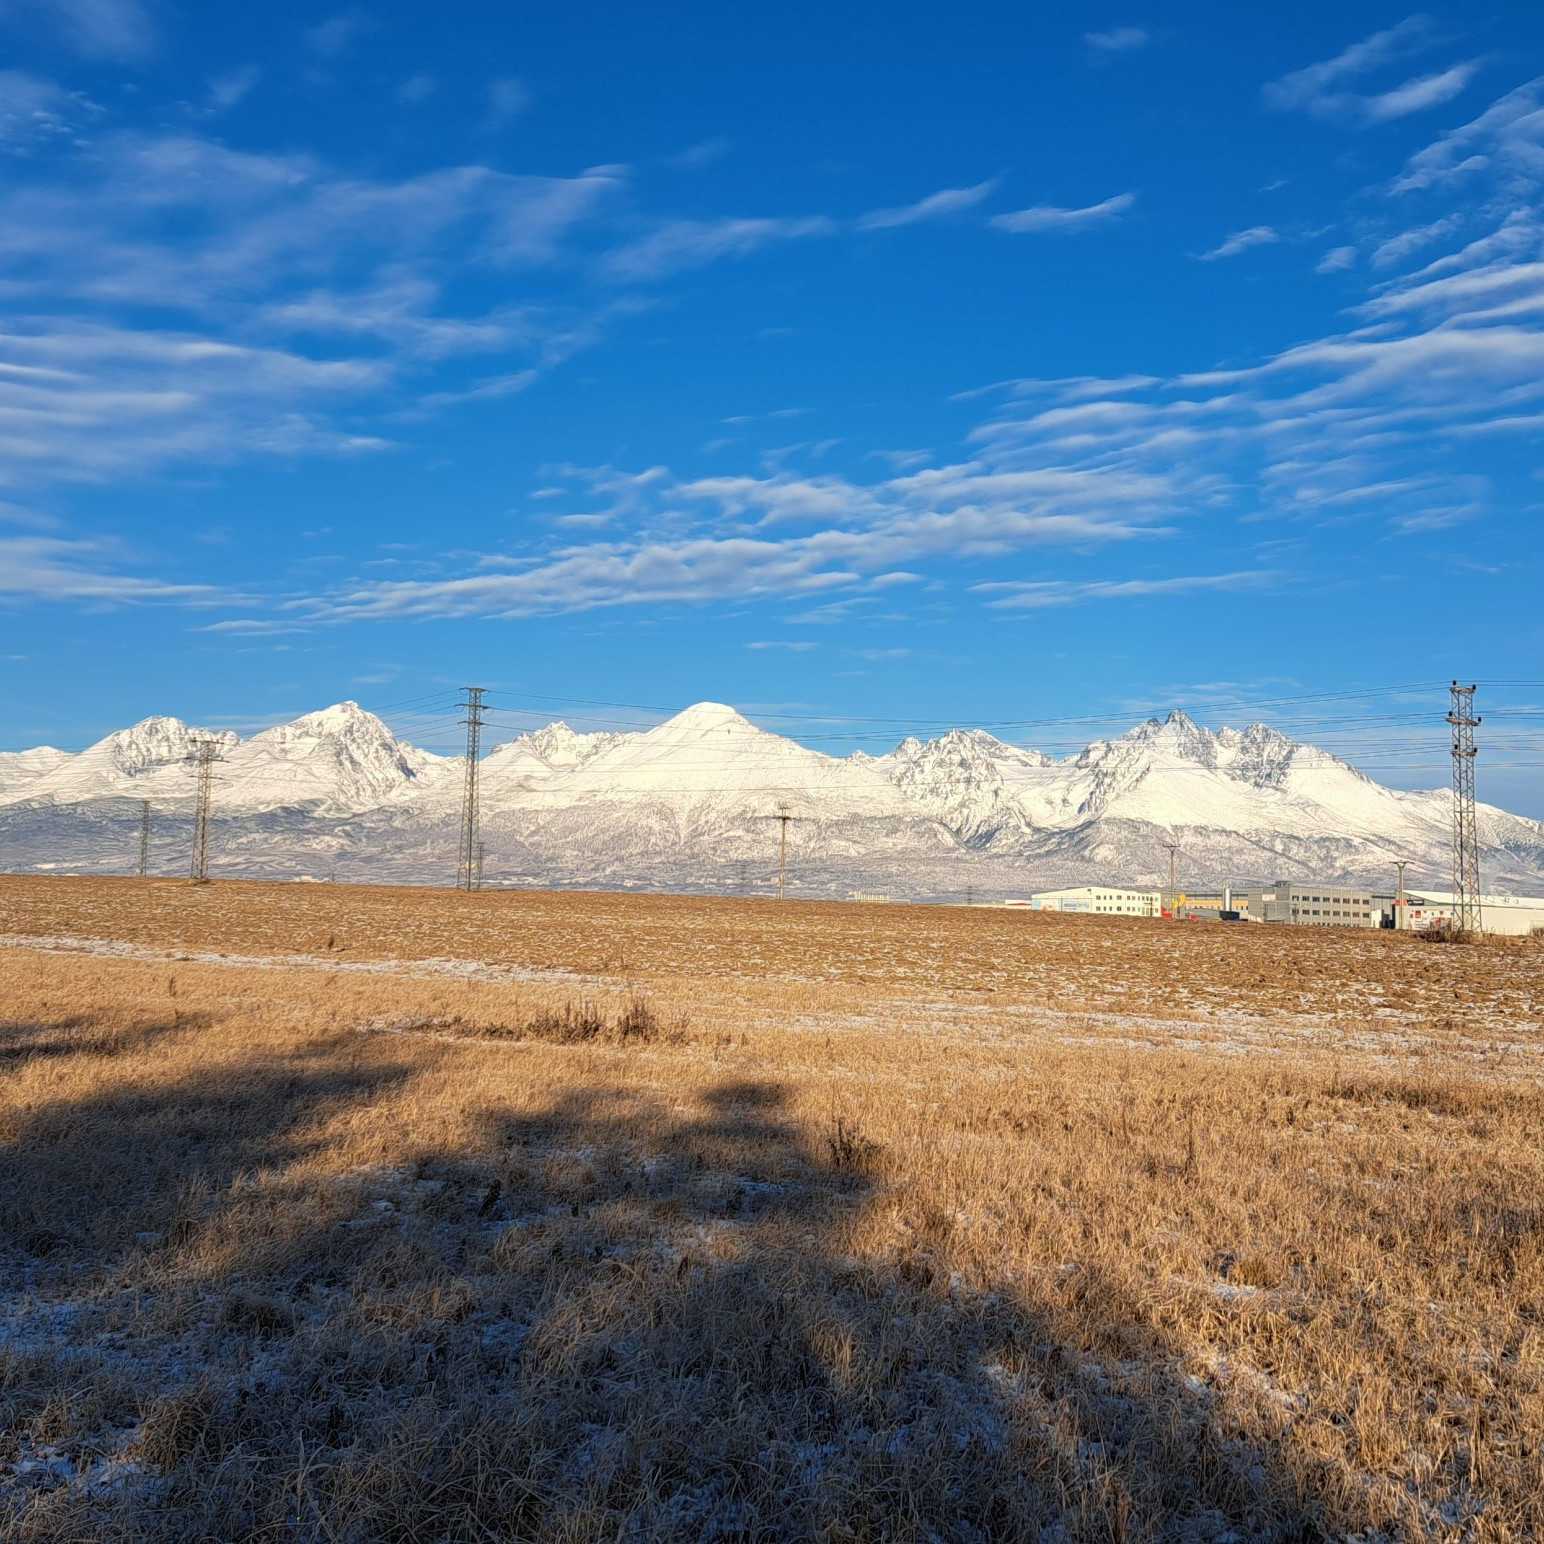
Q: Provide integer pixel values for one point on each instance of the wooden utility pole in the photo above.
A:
(783, 816)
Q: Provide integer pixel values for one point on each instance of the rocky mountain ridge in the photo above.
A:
(695, 798)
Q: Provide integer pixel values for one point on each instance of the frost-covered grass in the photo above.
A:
(766, 1271)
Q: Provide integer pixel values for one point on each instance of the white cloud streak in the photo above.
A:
(1117, 40)
(1242, 241)
(678, 245)
(507, 99)
(1393, 251)
(46, 568)
(333, 37)
(1506, 139)
(1052, 220)
(297, 292)
(859, 533)
(95, 29)
(1322, 90)
(936, 206)
(1039, 594)
(1416, 96)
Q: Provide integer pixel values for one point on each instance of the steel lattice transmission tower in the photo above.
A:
(1466, 839)
(469, 860)
(203, 756)
(144, 837)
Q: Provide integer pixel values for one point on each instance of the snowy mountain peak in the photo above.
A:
(705, 783)
(528, 759)
(152, 742)
(560, 746)
(341, 757)
(967, 778)
(18, 769)
(340, 718)
(706, 718)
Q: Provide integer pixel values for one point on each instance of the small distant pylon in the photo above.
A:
(469, 861)
(204, 754)
(1466, 836)
(144, 837)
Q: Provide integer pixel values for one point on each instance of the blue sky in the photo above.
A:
(857, 362)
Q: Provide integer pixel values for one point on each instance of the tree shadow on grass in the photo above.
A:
(73, 1037)
(604, 1319)
(96, 1174)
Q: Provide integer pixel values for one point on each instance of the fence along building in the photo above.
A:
(1316, 905)
(1100, 900)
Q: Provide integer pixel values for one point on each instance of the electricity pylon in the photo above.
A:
(469, 859)
(144, 837)
(204, 754)
(1466, 838)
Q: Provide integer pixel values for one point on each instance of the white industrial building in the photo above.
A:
(1101, 900)
(1515, 914)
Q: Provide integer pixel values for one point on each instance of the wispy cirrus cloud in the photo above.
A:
(51, 568)
(854, 535)
(337, 34)
(1053, 220)
(705, 152)
(1373, 424)
(1506, 140)
(285, 292)
(1117, 40)
(35, 113)
(935, 206)
(678, 245)
(231, 88)
(417, 89)
(1037, 595)
(1395, 249)
(95, 29)
(1241, 241)
(508, 97)
(1324, 90)
(1416, 96)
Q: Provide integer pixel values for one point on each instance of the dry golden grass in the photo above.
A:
(880, 1223)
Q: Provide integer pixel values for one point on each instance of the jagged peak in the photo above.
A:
(558, 734)
(156, 723)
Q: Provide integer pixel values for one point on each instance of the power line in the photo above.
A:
(1214, 704)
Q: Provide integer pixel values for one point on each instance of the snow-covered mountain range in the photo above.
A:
(690, 803)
